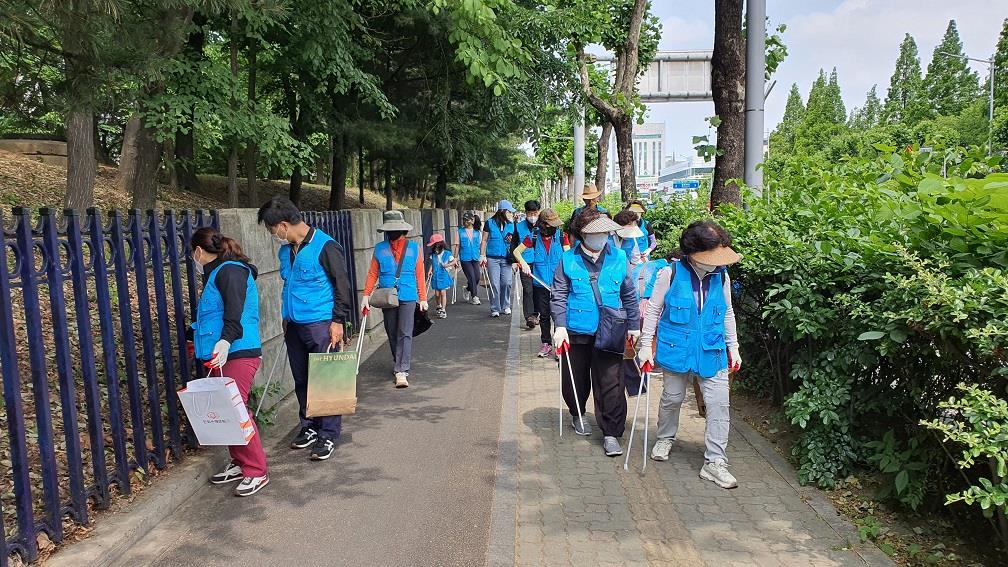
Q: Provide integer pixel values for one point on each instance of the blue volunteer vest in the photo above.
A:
(387, 267)
(469, 247)
(646, 275)
(441, 278)
(210, 317)
(644, 240)
(582, 309)
(523, 232)
(497, 247)
(307, 291)
(689, 341)
(544, 263)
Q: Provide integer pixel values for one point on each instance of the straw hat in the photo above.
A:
(590, 192)
(720, 256)
(550, 217)
(393, 221)
(602, 224)
(637, 208)
(434, 239)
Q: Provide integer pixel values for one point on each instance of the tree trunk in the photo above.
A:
(232, 199)
(624, 149)
(251, 150)
(728, 88)
(360, 173)
(295, 185)
(185, 145)
(388, 185)
(128, 155)
(337, 188)
(603, 156)
(102, 154)
(143, 180)
(441, 189)
(81, 163)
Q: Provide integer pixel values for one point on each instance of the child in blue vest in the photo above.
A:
(690, 317)
(225, 336)
(315, 305)
(440, 276)
(547, 244)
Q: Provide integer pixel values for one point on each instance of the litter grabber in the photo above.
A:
(360, 338)
(491, 292)
(570, 370)
(454, 285)
(542, 283)
(644, 373)
(269, 379)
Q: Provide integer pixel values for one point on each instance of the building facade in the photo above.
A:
(649, 146)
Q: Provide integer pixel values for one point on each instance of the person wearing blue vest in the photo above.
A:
(594, 267)
(398, 263)
(691, 319)
(315, 305)
(225, 336)
(441, 280)
(590, 195)
(547, 244)
(627, 239)
(494, 251)
(648, 241)
(467, 250)
(525, 228)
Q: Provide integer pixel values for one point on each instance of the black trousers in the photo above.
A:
(528, 303)
(302, 340)
(472, 274)
(541, 299)
(603, 372)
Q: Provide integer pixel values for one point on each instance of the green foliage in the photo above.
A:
(1001, 62)
(906, 100)
(950, 84)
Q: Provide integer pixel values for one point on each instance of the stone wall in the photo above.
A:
(52, 152)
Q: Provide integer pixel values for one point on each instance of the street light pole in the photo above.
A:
(990, 101)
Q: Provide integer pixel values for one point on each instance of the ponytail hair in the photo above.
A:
(226, 248)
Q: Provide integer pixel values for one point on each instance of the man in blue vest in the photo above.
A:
(690, 316)
(590, 196)
(525, 229)
(315, 305)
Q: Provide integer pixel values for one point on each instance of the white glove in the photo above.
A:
(365, 302)
(646, 354)
(423, 306)
(526, 269)
(560, 337)
(634, 336)
(220, 354)
(483, 260)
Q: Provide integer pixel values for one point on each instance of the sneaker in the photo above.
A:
(611, 446)
(442, 314)
(474, 301)
(545, 350)
(400, 380)
(250, 485)
(581, 426)
(494, 314)
(530, 322)
(507, 310)
(717, 472)
(304, 439)
(231, 473)
(661, 450)
(322, 449)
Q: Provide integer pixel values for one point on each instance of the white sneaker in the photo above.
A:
(250, 485)
(661, 449)
(494, 314)
(474, 301)
(717, 472)
(230, 473)
(507, 310)
(400, 380)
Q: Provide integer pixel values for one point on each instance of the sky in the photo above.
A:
(860, 38)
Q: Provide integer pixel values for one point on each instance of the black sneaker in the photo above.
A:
(304, 439)
(322, 449)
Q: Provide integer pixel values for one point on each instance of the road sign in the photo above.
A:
(685, 184)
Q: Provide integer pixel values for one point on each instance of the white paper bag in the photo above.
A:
(215, 409)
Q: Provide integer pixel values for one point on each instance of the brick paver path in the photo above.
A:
(577, 507)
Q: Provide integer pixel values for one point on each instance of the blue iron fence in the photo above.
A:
(110, 345)
(337, 224)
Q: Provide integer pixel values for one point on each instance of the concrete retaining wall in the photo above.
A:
(52, 152)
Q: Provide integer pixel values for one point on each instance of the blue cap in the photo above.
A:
(505, 205)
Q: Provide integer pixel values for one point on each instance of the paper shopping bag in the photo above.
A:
(332, 383)
(216, 411)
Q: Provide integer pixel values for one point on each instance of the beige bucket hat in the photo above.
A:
(394, 220)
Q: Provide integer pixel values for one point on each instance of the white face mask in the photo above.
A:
(703, 267)
(280, 239)
(532, 219)
(509, 216)
(596, 241)
(196, 263)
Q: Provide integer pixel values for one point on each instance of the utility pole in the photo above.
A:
(755, 91)
(579, 155)
(990, 101)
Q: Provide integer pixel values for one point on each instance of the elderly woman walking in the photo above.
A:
(691, 311)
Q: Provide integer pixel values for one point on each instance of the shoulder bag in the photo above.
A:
(388, 297)
(611, 334)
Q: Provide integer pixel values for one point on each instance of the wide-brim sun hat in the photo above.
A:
(550, 217)
(393, 221)
(434, 239)
(590, 192)
(720, 256)
(505, 205)
(632, 231)
(637, 208)
(602, 224)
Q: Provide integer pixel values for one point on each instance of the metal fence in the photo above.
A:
(93, 316)
(337, 224)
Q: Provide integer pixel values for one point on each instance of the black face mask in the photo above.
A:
(547, 230)
(394, 235)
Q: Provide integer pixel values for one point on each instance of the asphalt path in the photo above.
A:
(411, 481)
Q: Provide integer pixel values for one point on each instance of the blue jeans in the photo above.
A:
(500, 283)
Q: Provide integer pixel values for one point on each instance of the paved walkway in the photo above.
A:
(577, 507)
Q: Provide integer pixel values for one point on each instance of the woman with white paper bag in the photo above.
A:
(226, 340)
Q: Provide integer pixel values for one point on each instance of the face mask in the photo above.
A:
(394, 235)
(548, 230)
(280, 239)
(196, 264)
(509, 216)
(596, 241)
(704, 267)
(532, 219)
